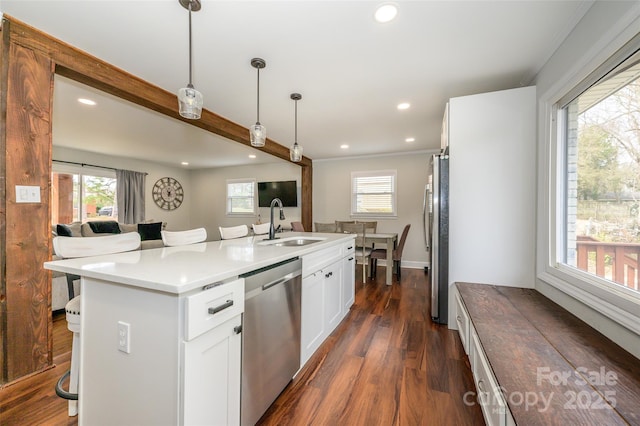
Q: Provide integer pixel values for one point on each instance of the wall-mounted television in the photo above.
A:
(285, 190)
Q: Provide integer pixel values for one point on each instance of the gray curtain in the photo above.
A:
(130, 192)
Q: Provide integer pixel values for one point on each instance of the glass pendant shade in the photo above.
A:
(295, 152)
(190, 102)
(258, 134)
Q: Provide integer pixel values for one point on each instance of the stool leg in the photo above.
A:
(75, 369)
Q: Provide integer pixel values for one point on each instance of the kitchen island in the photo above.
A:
(155, 349)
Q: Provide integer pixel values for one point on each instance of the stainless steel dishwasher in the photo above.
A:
(270, 335)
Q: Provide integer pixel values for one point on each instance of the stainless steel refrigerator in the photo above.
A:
(437, 235)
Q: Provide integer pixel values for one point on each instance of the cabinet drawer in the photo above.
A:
(462, 320)
(317, 260)
(212, 307)
(490, 396)
(349, 248)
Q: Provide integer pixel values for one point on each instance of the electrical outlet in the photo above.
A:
(124, 337)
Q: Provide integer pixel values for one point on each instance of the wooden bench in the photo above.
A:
(548, 366)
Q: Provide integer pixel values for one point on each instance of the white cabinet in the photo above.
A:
(328, 291)
(212, 376)
(183, 367)
(348, 281)
(313, 322)
(462, 321)
(333, 294)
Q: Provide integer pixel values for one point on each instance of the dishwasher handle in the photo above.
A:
(274, 283)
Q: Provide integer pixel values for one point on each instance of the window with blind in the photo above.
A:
(241, 197)
(373, 194)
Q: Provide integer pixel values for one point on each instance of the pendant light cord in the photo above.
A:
(190, 83)
(295, 140)
(258, 103)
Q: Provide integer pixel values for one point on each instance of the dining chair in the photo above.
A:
(362, 252)
(325, 227)
(74, 247)
(181, 238)
(396, 254)
(341, 223)
(297, 227)
(260, 228)
(372, 228)
(227, 233)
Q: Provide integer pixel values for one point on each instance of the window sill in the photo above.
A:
(617, 304)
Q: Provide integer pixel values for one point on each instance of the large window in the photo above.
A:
(241, 197)
(373, 194)
(600, 132)
(80, 194)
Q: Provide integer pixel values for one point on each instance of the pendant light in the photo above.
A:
(295, 152)
(258, 132)
(189, 99)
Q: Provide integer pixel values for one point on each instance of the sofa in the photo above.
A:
(149, 234)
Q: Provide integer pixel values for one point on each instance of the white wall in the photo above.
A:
(603, 30)
(208, 209)
(178, 219)
(332, 196)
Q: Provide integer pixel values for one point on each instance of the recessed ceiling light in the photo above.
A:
(252, 156)
(404, 105)
(410, 140)
(344, 146)
(86, 101)
(385, 13)
(184, 163)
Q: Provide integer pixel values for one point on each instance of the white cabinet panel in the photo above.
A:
(333, 295)
(212, 376)
(462, 321)
(490, 396)
(348, 282)
(313, 322)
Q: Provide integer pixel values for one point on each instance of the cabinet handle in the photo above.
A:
(349, 248)
(459, 319)
(237, 329)
(351, 258)
(227, 304)
(480, 385)
(328, 275)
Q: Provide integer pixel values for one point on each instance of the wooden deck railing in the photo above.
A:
(622, 267)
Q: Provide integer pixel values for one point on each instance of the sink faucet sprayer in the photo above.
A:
(272, 228)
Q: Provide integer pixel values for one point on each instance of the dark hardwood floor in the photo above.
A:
(387, 363)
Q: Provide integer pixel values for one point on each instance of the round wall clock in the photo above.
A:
(168, 193)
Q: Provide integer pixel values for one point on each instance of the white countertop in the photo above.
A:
(181, 269)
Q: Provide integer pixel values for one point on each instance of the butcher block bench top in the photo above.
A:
(552, 367)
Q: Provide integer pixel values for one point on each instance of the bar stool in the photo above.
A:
(74, 247)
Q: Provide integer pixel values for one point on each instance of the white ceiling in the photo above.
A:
(350, 70)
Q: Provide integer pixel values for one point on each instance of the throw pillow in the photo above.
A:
(104, 227)
(63, 230)
(150, 231)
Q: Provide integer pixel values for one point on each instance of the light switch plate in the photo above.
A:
(27, 194)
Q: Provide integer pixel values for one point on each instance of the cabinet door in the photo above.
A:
(313, 323)
(348, 283)
(211, 393)
(333, 295)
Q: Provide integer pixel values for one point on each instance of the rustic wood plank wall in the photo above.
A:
(30, 59)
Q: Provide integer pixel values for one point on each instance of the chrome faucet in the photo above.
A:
(272, 228)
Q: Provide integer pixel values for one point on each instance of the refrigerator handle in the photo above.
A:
(425, 214)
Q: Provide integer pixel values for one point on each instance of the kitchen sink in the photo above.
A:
(291, 241)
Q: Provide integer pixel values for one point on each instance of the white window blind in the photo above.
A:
(241, 198)
(373, 193)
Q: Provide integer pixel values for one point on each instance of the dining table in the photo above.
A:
(390, 239)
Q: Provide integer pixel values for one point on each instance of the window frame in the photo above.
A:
(394, 195)
(81, 171)
(614, 301)
(255, 197)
